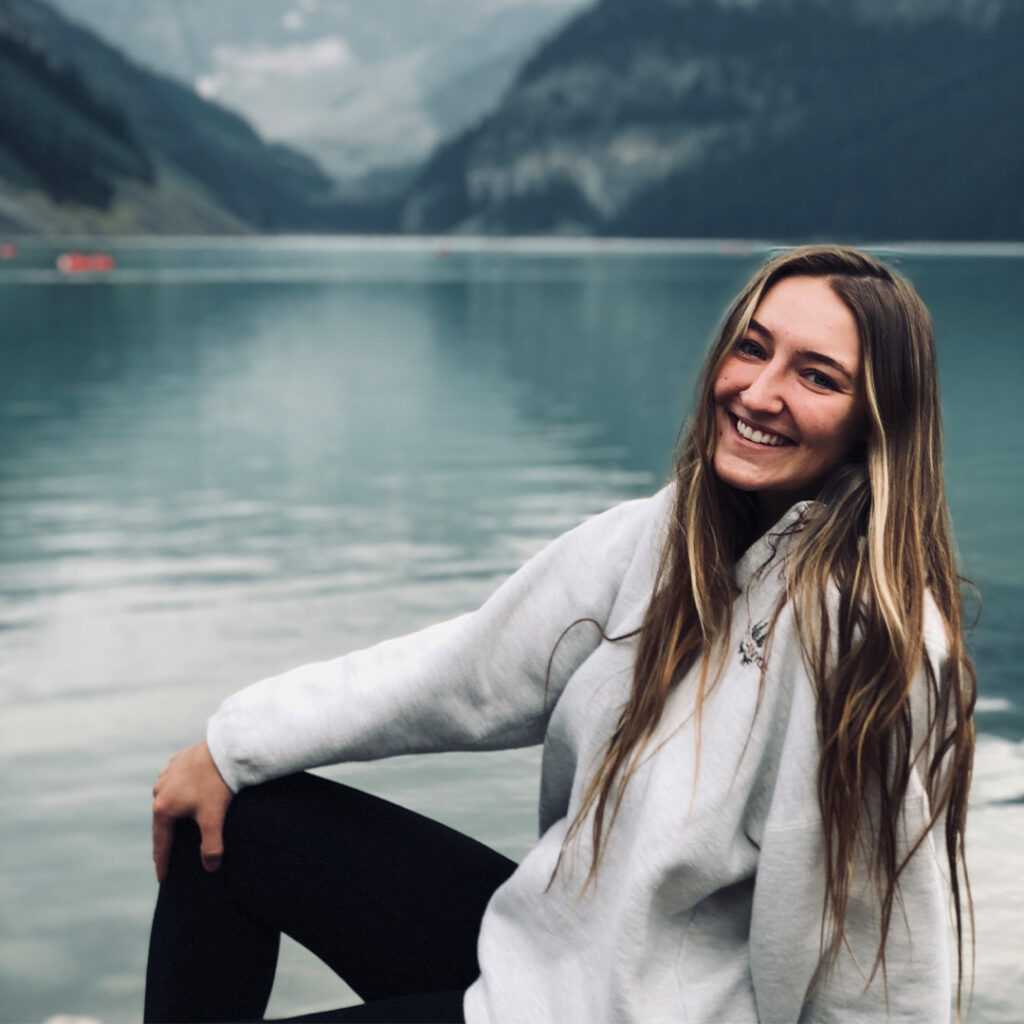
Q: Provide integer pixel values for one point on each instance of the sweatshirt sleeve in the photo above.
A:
(789, 899)
(476, 682)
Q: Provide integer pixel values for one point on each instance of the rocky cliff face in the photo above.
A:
(749, 117)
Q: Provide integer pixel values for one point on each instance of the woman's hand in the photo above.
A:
(190, 787)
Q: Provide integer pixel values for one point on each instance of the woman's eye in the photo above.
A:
(821, 380)
(750, 348)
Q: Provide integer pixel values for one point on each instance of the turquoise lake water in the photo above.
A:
(224, 459)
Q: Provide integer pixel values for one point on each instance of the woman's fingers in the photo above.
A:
(163, 838)
(164, 817)
(211, 849)
(190, 787)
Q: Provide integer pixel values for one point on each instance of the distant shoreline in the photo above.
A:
(553, 244)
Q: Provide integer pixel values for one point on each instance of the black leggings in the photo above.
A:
(390, 900)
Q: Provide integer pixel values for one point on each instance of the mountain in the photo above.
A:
(57, 138)
(366, 88)
(772, 118)
(93, 142)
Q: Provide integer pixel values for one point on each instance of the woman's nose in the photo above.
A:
(764, 392)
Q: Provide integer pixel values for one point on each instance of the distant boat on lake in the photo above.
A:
(85, 263)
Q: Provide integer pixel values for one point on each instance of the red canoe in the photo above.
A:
(85, 263)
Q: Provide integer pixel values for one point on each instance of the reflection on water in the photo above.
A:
(223, 460)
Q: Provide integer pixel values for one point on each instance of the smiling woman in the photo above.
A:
(789, 398)
(754, 702)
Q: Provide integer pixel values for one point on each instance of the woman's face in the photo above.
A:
(789, 398)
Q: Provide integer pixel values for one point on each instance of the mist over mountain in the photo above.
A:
(748, 117)
(366, 88)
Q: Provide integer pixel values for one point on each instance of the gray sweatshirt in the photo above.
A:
(708, 902)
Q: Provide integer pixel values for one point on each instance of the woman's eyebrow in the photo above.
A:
(807, 353)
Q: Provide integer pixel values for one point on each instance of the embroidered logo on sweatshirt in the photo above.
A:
(752, 645)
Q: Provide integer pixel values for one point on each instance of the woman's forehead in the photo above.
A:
(807, 316)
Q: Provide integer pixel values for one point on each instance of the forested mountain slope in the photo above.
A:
(738, 118)
(91, 141)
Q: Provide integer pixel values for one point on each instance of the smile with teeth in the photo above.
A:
(759, 436)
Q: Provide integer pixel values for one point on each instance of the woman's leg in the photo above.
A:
(390, 900)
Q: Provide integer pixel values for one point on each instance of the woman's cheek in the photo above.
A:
(729, 378)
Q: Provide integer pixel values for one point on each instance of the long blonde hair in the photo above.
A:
(879, 535)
